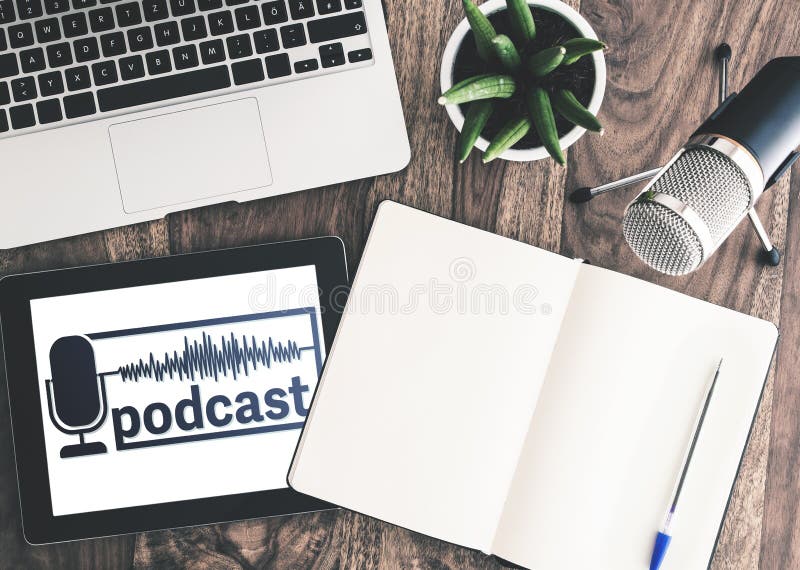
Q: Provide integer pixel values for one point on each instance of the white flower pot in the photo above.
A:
(566, 12)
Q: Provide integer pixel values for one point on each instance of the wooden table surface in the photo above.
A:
(661, 84)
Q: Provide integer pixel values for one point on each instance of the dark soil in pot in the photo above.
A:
(551, 29)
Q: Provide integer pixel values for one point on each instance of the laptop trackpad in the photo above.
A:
(179, 157)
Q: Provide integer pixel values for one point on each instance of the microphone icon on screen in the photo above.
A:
(78, 392)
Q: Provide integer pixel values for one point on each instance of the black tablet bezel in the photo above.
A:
(16, 291)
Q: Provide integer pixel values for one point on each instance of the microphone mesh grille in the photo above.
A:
(707, 181)
(661, 238)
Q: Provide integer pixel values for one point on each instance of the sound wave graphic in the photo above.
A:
(205, 359)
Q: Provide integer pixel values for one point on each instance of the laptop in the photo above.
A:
(114, 112)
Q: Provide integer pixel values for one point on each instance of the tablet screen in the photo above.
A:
(176, 391)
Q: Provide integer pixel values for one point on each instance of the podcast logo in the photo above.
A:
(185, 382)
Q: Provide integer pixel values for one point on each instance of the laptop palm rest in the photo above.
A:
(185, 156)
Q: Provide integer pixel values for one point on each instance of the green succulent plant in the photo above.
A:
(513, 70)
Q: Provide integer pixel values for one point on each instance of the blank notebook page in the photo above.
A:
(428, 392)
(614, 418)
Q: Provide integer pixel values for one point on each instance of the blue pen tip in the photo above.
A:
(659, 550)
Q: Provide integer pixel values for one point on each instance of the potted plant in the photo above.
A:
(522, 79)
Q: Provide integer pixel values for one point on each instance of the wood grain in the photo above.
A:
(661, 84)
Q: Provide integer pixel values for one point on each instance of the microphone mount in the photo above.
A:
(82, 448)
(770, 255)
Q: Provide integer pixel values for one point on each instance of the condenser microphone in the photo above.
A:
(693, 204)
(76, 395)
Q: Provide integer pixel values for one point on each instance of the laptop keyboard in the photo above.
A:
(64, 61)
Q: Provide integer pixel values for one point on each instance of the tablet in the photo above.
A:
(166, 392)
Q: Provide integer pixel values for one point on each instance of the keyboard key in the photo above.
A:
(20, 35)
(220, 23)
(101, 20)
(359, 55)
(212, 51)
(128, 14)
(293, 35)
(78, 78)
(274, 12)
(56, 6)
(32, 60)
(185, 57)
(131, 67)
(158, 62)
(28, 9)
(194, 28)
(301, 9)
(140, 39)
(112, 44)
(3, 44)
(49, 111)
(86, 49)
(306, 65)
(7, 13)
(3, 121)
(332, 60)
(80, 105)
(74, 25)
(182, 7)
(164, 88)
(22, 116)
(83, 4)
(5, 95)
(249, 71)
(8, 65)
(51, 84)
(104, 73)
(24, 89)
(247, 18)
(155, 10)
(337, 27)
(278, 65)
(352, 4)
(328, 6)
(207, 5)
(239, 46)
(235, 2)
(266, 41)
(167, 33)
(331, 49)
(47, 30)
(59, 55)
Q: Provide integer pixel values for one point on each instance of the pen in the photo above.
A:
(664, 536)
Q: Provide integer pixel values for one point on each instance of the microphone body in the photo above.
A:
(76, 392)
(76, 395)
(693, 204)
(765, 117)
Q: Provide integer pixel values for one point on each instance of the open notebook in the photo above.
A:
(504, 398)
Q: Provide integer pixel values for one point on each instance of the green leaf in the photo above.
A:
(645, 197)
(506, 52)
(521, 19)
(508, 136)
(477, 115)
(479, 87)
(568, 106)
(546, 60)
(579, 47)
(482, 29)
(541, 113)
(467, 81)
